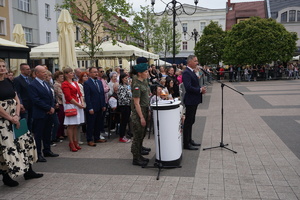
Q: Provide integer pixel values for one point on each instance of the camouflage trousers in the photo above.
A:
(139, 132)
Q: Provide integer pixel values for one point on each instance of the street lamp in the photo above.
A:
(194, 35)
(174, 8)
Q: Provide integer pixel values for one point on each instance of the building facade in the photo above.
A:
(237, 12)
(286, 12)
(37, 17)
(5, 22)
(186, 24)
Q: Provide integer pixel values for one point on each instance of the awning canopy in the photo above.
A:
(51, 50)
(107, 50)
(9, 49)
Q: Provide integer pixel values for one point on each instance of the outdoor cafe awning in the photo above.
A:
(9, 49)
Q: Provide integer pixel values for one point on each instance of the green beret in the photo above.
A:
(141, 67)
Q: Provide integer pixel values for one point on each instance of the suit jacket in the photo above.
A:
(42, 99)
(22, 88)
(94, 98)
(70, 92)
(192, 88)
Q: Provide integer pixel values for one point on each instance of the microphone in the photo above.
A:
(158, 84)
(205, 72)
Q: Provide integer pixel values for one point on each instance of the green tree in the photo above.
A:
(209, 49)
(98, 19)
(258, 41)
(163, 37)
(143, 26)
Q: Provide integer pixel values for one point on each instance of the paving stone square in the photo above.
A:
(263, 126)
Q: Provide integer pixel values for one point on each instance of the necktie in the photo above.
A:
(26, 79)
(97, 85)
(45, 86)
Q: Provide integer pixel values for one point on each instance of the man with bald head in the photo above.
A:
(42, 111)
(77, 73)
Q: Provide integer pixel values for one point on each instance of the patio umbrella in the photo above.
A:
(19, 37)
(66, 40)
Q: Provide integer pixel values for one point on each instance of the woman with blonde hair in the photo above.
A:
(16, 154)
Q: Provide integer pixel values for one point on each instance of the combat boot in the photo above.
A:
(139, 162)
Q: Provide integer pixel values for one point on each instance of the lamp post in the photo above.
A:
(194, 34)
(174, 8)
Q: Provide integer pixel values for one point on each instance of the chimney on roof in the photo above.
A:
(228, 2)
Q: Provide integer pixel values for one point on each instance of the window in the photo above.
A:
(284, 17)
(24, 5)
(298, 16)
(184, 27)
(48, 37)
(28, 34)
(2, 26)
(184, 45)
(202, 26)
(292, 15)
(47, 11)
(2, 3)
(274, 15)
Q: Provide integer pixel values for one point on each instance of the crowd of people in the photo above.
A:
(71, 104)
(261, 72)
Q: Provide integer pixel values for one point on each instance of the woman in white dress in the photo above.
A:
(72, 99)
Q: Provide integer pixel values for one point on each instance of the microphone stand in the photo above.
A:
(158, 163)
(222, 145)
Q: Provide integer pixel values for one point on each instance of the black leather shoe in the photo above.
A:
(190, 147)
(41, 159)
(143, 152)
(144, 159)
(139, 162)
(9, 181)
(31, 174)
(195, 144)
(146, 149)
(50, 154)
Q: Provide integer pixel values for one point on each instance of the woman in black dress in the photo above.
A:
(16, 154)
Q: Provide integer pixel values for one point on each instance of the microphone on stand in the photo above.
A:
(205, 72)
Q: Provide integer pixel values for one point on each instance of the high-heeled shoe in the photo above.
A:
(76, 145)
(72, 147)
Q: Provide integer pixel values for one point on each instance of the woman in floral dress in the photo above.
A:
(16, 154)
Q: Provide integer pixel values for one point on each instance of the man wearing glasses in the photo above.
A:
(101, 72)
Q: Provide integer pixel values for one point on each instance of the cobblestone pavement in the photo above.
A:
(263, 126)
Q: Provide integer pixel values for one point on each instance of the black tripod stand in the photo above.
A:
(158, 163)
(222, 145)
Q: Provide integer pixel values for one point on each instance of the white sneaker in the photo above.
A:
(105, 134)
(113, 130)
(102, 138)
(80, 142)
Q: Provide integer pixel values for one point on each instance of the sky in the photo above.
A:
(160, 4)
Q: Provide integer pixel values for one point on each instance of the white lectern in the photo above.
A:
(169, 131)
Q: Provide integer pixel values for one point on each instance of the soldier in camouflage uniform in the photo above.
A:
(139, 115)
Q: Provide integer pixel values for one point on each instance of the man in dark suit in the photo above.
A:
(192, 97)
(42, 112)
(21, 83)
(95, 105)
